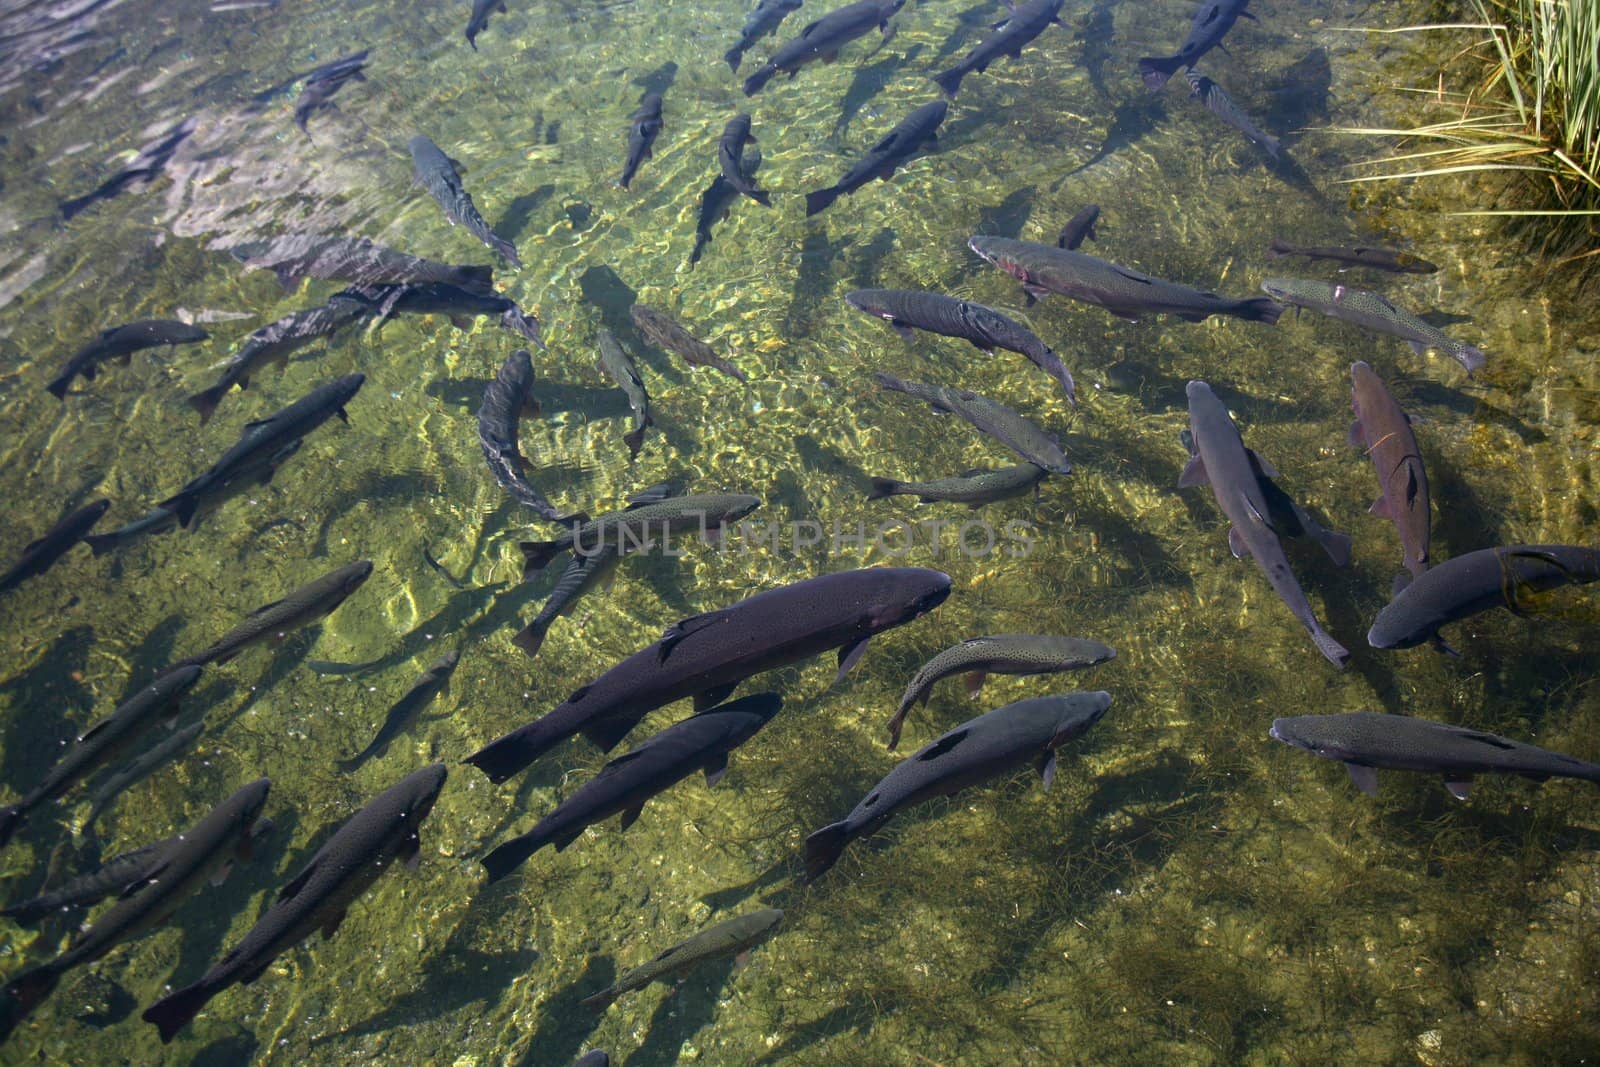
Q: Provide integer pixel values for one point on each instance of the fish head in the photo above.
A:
(913, 591)
(1079, 712)
(992, 250)
(354, 575)
(349, 386)
(868, 300)
(1309, 732)
(422, 789)
(739, 505)
(1283, 290)
(251, 799)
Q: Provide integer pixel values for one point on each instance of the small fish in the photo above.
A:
(317, 898)
(146, 764)
(1389, 259)
(699, 743)
(1220, 104)
(979, 657)
(422, 691)
(1078, 227)
(706, 656)
(323, 82)
(993, 418)
(1210, 25)
(823, 38)
(41, 554)
(915, 132)
(974, 487)
(1124, 292)
(274, 621)
(441, 177)
(1236, 475)
(764, 19)
(352, 259)
(582, 574)
(730, 157)
(103, 743)
(1371, 311)
(458, 303)
(617, 364)
(503, 404)
(985, 328)
(262, 446)
(478, 20)
(1026, 21)
(274, 343)
(660, 329)
(142, 170)
(202, 854)
(1464, 585)
(641, 137)
(977, 750)
(120, 343)
(1384, 430)
(640, 524)
(1367, 743)
(727, 938)
(716, 202)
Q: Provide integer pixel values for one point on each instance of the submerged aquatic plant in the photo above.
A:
(1533, 115)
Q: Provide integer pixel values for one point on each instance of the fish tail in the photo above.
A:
(602, 1000)
(69, 208)
(949, 81)
(25, 992)
(823, 849)
(536, 555)
(1280, 247)
(1259, 309)
(100, 544)
(1155, 70)
(883, 487)
(206, 401)
(479, 277)
(531, 637)
(511, 855)
(172, 1013)
(11, 819)
(58, 388)
(505, 756)
(753, 84)
(820, 200)
(1471, 358)
(634, 439)
(1336, 653)
(734, 56)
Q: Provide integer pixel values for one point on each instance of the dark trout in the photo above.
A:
(646, 127)
(40, 554)
(764, 19)
(145, 168)
(1027, 21)
(274, 343)
(915, 132)
(619, 366)
(322, 83)
(1389, 259)
(120, 343)
(275, 621)
(1384, 431)
(352, 259)
(1371, 311)
(730, 158)
(823, 38)
(1209, 26)
(411, 702)
(503, 404)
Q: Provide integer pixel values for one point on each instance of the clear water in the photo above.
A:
(1189, 891)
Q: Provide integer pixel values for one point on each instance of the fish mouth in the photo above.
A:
(1277, 290)
(1276, 735)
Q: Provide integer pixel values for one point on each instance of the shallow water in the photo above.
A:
(1189, 890)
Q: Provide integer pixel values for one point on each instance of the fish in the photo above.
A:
(728, 938)
(582, 574)
(979, 657)
(646, 127)
(764, 19)
(1467, 584)
(1025, 21)
(1210, 25)
(478, 20)
(421, 693)
(661, 330)
(730, 158)
(1367, 743)
(322, 83)
(1124, 292)
(619, 366)
(141, 768)
(974, 487)
(262, 446)
(86, 890)
(640, 524)
(102, 743)
(984, 327)
(1220, 104)
(1078, 227)
(295, 256)
(1235, 475)
(977, 750)
(716, 202)
(202, 854)
(706, 656)
(699, 743)
(458, 303)
(40, 554)
(823, 38)
(120, 343)
(1371, 311)
(441, 177)
(274, 621)
(594, 1057)
(1384, 430)
(915, 132)
(274, 343)
(503, 404)
(1389, 259)
(993, 418)
(317, 898)
(143, 169)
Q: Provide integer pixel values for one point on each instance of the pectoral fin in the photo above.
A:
(849, 656)
(330, 925)
(716, 769)
(974, 681)
(712, 697)
(1365, 778)
(630, 816)
(1194, 473)
(1236, 543)
(1459, 787)
(1047, 769)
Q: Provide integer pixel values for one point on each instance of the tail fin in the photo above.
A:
(1280, 247)
(1469, 357)
(23, 994)
(100, 544)
(734, 56)
(476, 277)
(11, 819)
(820, 200)
(511, 855)
(505, 756)
(634, 439)
(883, 487)
(58, 388)
(1336, 653)
(950, 80)
(753, 84)
(171, 1014)
(1155, 70)
(823, 849)
(531, 637)
(206, 401)
(602, 1000)
(1259, 309)
(69, 208)
(536, 555)
(1337, 545)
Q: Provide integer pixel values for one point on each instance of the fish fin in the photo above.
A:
(948, 743)
(823, 848)
(1194, 473)
(1382, 508)
(1469, 357)
(1256, 516)
(849, 656)
(1034, 292)
(1047, 768)
(1263, 468)
(974, 681)
(1399, 584)
(630, 816)
(530, 638)
(410, 851)
(820, 200)
(710, 698)
(1236, 543)
(604, 734)
(949, 81)
(1440, 646)
(903, 330)
(883, 487)
(299, 881)
(145, 878)
(172, 1013)
(1246, 15)
(683, 628)
(716, 769)
(1337, 545)
(510, 855)
(652, 495)
(1365, 778)
(536, 555)
(222, 873)
(330, 925)
(1459, 785)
